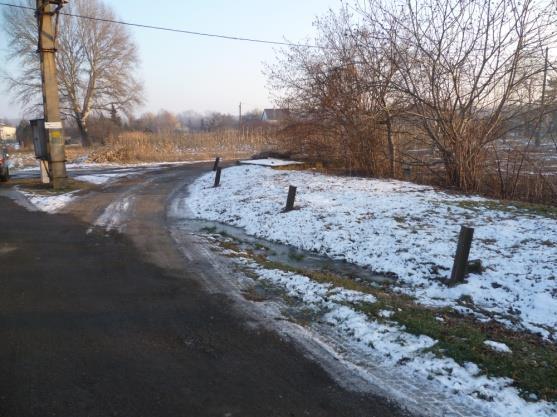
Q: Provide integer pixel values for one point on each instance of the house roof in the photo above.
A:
(275, 114)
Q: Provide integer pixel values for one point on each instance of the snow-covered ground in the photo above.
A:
(401, 228)
(388, 344)
(98, 174)
(115, 215)
(409, 230)
(271, 162)
(49, 203)
(21, 161)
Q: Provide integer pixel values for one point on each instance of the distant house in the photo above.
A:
(275, 115)
(7, 132)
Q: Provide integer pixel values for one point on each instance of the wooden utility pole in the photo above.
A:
(46, 10)
(240, 115)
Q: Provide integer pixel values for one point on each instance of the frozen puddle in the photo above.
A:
(282, 253)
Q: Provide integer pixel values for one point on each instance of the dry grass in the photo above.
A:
(76, 153)
(158, 147)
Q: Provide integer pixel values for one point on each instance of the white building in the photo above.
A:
(7, 132)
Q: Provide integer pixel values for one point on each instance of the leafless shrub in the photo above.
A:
(430, 86)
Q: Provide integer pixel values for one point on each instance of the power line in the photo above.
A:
(183, 31)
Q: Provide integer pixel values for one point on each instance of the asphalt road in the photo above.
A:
(97, 324)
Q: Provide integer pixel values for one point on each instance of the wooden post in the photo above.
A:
(216, 164)
(461, 256)
(217, 177)
(290, 199)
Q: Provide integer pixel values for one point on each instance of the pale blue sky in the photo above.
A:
(183, 72)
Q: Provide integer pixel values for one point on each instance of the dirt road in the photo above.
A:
(122, 324)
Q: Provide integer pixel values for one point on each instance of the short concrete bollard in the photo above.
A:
(290, 199)
(217, 177)
(216, 164)
(460, 265)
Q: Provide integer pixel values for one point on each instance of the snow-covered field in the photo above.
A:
(401, 228)
(409, 230)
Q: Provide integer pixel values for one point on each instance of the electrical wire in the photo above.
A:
(183, 31)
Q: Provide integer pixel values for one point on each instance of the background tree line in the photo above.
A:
(463, 92)
(97, 63)
(102, 126)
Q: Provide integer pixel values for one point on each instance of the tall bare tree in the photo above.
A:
(96, 62)
(467, 68)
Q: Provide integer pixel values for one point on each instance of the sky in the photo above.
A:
(182, 72)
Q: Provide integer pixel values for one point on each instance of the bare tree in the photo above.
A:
(96, 62)
(454, 75)
(341, 91)
(468, 69)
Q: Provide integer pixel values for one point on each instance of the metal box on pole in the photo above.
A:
(39, 139)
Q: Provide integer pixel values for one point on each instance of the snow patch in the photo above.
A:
(498, 346)
(49, 203)
(115, 215)
(271, 162)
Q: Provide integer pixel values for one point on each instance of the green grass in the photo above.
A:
(230, 245)
(511, 207)
(260, 246)
(532, 363)
(295, 256)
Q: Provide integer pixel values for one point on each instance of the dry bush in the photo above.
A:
(76, 153)
(428, 91)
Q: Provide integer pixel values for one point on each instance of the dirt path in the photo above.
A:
(119, 324)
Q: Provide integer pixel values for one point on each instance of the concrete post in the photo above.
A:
(53, 124)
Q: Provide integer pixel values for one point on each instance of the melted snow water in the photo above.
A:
(282, 253)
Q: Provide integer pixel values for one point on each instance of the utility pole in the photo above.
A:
(240, 115)
(53, 125)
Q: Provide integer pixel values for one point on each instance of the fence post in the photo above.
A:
(290, 199)
(216, 164)
(217, 177)
(461, 257)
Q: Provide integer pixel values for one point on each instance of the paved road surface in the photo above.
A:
(97, 325)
